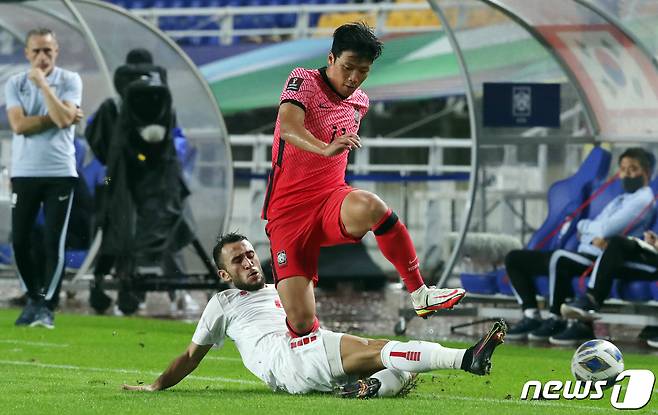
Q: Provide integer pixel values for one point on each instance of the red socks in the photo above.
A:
(396, 245)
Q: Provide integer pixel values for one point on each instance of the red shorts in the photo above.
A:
(295, 240)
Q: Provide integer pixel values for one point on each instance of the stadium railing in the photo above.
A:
(211, 25)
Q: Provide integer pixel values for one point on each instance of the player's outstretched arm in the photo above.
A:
(182, 366)
(294, 132)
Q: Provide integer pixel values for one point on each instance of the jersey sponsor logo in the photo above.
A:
(294, 84)
(277, 303)
(324, 106)
(281, 258)
(357, 116)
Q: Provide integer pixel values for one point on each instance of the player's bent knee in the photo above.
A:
(301, 323)
(367, 206)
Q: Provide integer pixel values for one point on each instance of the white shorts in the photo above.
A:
(306, 364)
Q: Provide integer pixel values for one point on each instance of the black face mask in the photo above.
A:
(631, 184)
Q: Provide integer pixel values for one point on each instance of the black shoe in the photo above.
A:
(584, 309)
(28, 314)
(549, 327)
(575, 334)
(653, 342)
(98, 300)
(482, 351)
(361, 389)
(127, 302)
(521, 329)
(648, 332)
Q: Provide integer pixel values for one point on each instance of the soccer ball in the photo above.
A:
(597, 360)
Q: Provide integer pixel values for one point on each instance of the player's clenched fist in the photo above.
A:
(342, 143)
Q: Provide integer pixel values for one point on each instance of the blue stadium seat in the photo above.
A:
(479, 283)
(6, 255)
(287, 19)
(94, 175)
(73, 259)
(564, 197)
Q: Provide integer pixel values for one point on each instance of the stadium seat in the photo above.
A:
(479, 283)
(75, 258)
(93, 174)
(564, 197)
(6, 255)
(288, 19)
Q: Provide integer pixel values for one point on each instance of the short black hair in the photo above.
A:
(647, 160)
(359, 38)
(39, 31)
(139, 55)
(223, 239)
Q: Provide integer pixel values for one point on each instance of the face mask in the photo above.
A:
(631, 184)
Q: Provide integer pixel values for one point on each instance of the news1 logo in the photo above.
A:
(637, 396)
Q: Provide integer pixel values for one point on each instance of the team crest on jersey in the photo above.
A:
(281, 258)
(357, 116)
(294, 84)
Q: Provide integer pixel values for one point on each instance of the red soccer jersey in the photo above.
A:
(298, 176)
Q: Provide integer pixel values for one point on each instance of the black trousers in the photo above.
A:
(29, 194)
(623, 258)
(560, 266)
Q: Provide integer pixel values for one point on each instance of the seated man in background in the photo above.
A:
(635, 166)
(627, 258)
(251, 315)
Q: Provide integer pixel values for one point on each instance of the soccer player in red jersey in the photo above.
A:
(309, 205)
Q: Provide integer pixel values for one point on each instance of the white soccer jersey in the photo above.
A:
(255, 321)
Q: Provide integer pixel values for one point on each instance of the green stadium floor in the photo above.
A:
(80, 365)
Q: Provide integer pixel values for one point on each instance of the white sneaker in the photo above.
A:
(428, 300)
(187, 304)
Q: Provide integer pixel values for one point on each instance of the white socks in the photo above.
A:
(532, 313)
(392, 381)
(420, 356)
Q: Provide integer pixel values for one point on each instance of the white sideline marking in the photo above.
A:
(130, 371)
(29, 343)
(228, 359)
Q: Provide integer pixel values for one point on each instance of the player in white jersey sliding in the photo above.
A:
(252, 316)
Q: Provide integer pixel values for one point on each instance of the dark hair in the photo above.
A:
(227, 238)
(646, 159)
(39, 31)
(359, 38)
(139, 55)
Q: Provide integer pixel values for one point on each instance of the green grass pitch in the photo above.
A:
(79, 368)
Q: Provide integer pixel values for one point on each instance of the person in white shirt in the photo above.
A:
(43, 106)
(628, 213)
(252, 316)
